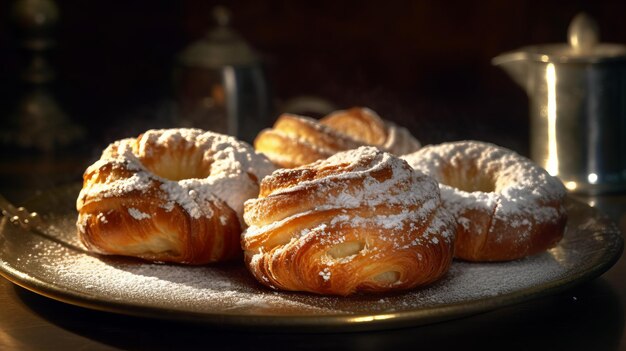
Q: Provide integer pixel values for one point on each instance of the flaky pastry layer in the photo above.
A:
(361, 220)
(297, 140)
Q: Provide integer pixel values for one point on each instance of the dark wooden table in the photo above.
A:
(589, 316)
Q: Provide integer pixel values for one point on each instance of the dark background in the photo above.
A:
(424, 64)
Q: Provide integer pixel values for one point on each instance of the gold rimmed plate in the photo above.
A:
(227, 295)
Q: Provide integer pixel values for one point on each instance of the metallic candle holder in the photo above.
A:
(38, 121)
(221, 85)
(577, 96)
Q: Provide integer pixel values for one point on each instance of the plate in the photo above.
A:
(55, 265)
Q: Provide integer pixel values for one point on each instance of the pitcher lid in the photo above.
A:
(583, 45)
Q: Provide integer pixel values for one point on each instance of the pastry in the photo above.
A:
(172, 195)
(366, 126)
(361, 220)
(506, 206)
(298, 140)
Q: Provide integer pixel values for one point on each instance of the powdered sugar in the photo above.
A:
(102, 218)
(335, 191)
(137, 214)
(191, 194)
(516, 190)
(325, 274)
(229, 289)
(373, 191)
(207, 293)
(519, 186)
(232, 163)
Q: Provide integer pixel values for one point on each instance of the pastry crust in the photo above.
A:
(361, 220)
(506, 206)
(297, 140)
(366, 126)
(173, 195)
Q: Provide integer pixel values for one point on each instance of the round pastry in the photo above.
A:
(505, 205)
(172, 195)
(298, 140)
(361, 220)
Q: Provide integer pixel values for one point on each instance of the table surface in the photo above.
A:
(588, 316)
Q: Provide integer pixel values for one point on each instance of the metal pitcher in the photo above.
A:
(577, 96)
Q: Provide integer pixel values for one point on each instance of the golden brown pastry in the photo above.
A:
(366, 126)
(173, 195)
(298, 140)
(361, 220)
(506, 206)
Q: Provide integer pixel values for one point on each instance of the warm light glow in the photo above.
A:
(552, 163)
(8, 341)
(230, 85)
(592, 178)
(560, 255)
(371, 318)
(571, 185)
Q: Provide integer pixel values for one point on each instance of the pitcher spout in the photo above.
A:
(516, 65)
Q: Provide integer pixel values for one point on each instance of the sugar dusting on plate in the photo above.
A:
(229, 288)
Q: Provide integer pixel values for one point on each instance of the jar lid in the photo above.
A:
(583, 45)
(220, 47)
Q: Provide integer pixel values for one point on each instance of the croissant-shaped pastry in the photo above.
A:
(361, 220)
(173, 195)
(298, 140)
(506, 206)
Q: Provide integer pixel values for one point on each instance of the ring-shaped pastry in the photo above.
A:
(172, 195)
(506, 206)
